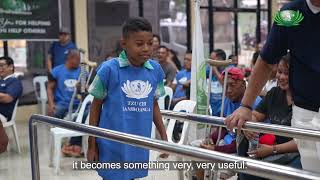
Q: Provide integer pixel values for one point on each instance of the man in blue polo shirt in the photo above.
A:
(10, 88)
(182, 80)
(59, 50)
(296, 28)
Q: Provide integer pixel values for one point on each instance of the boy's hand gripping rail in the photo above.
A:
(254, 167)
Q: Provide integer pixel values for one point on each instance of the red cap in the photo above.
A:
(235, 73)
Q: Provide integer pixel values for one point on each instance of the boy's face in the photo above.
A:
(138, 46)
(187, 61)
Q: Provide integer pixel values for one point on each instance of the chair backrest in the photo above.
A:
(14, 112)
(41, 80)
(87, 100)
(187, 106)
(168, 93)
(11, 121)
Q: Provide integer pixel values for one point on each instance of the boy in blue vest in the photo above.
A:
(125, 89)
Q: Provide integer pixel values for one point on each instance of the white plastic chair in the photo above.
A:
(59, 133)
(42, 96)
(168, 93)
(12, 123)
(185, 105)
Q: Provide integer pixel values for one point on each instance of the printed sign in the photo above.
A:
(30, 20)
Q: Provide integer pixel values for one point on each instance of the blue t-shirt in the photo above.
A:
(13, 87)
(303, 42)
(229, 108)
(181, 77)
(215, 95)
(59, 52)
(128, 94)
(66, 81)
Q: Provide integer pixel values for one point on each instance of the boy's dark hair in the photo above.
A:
(158, 37)
(221, 54)
(9, 61)
(135, 24)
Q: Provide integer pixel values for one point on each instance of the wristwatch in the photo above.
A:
(274, 149)
(246, 106)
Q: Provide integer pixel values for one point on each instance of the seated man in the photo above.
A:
(10, 91)
(182, 80)
(236, 87)
(62, 83)
(10, 88)
(276, 106)
(168, 67)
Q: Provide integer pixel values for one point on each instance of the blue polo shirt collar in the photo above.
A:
(9, 76)
(124, 62)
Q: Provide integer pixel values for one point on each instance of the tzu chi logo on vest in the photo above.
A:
(137, 90)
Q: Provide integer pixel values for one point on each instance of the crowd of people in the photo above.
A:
(132, 77)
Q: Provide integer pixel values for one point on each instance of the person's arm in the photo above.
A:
(171, 75)
(157, 120)
(216, 73)
(287, 147)
(3, 139)
(229, 148)
(267, 150)
(187, 84)
(93, 153)
(49, 62)
(259, 77)
(50, 91)
(5, 98)
(13, 91)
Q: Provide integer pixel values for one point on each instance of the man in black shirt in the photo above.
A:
(301, 37)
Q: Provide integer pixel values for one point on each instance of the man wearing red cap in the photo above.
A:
(236, 87)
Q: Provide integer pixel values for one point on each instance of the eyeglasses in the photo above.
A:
(3, 65)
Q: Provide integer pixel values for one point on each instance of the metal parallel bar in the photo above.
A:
(253, 167)
(34, 150)
(253, 126)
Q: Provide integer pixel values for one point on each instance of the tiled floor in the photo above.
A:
(14, 166)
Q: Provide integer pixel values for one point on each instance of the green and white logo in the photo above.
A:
(288, 18)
